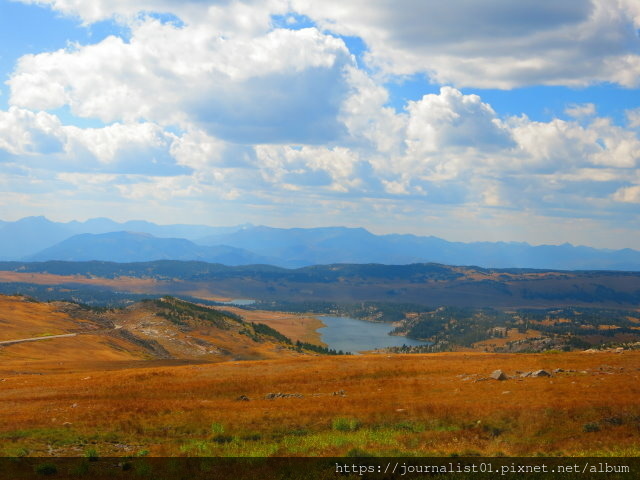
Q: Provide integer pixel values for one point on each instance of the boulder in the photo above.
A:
(498, 375)
(540, 373)
(271, 396)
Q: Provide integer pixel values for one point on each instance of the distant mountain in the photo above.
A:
(298, 247)
(32, 238)
(141, 247)
(28, 236)
(190, 232)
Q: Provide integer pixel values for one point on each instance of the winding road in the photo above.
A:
(35, 339)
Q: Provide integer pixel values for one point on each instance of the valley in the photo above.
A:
(452, 308)
(136, 372)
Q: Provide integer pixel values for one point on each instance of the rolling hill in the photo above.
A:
(422, 284)
(162, 329)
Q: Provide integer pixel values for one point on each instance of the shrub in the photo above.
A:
(91, 454)
(222, 438)
(616, 421)
(342, 424)
(591, 427)
(217, 428)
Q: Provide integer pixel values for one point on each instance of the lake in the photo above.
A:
(240, 302)
(353, 335)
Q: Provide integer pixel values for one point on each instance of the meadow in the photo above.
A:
(386, 405)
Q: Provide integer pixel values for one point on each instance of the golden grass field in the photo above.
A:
(101, 394)
(491, 344)
(131, 284)
(293, 325)
(429, 404)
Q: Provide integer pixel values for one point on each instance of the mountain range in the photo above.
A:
(39, 239)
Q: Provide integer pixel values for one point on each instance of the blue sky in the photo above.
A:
(495, 121)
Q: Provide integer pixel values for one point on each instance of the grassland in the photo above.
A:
(295, 326)
(102, 393)
(145, 331)
(427, 405)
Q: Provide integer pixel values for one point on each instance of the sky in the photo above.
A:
(493, 120)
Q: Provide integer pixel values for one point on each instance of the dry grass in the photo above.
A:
(131, 284)
(23, 319)
(512, 335)
(98, 341)
(293, 325)
(398, 404)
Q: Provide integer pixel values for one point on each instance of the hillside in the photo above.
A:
(164, 329)
(161, 378)
(422, 284)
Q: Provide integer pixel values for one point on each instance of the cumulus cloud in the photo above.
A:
(367, 117)
(39, 138)
(133, 148)
(280, 86)
(23, 132)
(452, 119)
(219, 107)
(495, 43)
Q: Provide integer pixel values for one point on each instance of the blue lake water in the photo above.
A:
(353, 335)
(239, 301)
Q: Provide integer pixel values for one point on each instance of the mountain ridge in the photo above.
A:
(33, 238)
(126, 247)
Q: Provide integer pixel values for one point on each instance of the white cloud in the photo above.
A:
(490, 44)
(368, 119)
(334, 169)
(581, 110)
(633, 118)
(628, 194)
(132, 148)
(31, 138)
(495, 43)
(283, 85)
(247, 16)
(23, 132)
(275, 122)
(452, 119)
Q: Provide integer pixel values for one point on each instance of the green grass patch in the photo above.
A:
(344, 424)
(91, 454)
(217, 428)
